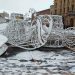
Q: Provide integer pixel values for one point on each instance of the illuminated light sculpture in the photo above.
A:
(69, 36)
(56, 37)
(44, 30)
(29, 35)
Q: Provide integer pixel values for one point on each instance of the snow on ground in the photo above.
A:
(60, 62)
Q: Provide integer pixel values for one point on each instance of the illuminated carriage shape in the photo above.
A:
(44, 30)
(29, 35)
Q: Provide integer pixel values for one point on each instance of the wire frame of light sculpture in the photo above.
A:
(29, 35)
(70, 37)
(56, 38)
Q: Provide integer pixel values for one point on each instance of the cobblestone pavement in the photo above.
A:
(61, 62)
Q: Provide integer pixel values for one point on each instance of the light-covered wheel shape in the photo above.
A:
(70, 37)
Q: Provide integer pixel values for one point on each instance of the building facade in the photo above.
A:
(42, 12)
(66, 8)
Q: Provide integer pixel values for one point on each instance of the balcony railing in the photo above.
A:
(71, 13)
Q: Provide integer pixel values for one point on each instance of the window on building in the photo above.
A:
(73, 1)
(55, 11)
(61, 4)
(64, 1)
(68, 2)
(64, 10)
(55, 5)
(68, 5)
(72, 8)
(60, 11)
(51, 13)
(71, 22)
(67, 8)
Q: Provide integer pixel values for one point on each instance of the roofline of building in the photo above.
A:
(43, 10)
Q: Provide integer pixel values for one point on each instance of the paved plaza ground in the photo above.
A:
(52, 62)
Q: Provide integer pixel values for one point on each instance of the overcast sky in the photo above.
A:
(22, 6)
